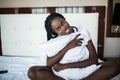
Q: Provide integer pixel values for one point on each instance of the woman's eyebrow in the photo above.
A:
(58, 26)
(61, 23)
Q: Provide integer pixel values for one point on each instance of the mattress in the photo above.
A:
(17, 67)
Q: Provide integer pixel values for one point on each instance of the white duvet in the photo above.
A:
(17, 67)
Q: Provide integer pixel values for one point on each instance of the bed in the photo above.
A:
(17, 67)
(22, 36)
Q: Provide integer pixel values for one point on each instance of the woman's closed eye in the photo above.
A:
(61, 25)
(58, 28)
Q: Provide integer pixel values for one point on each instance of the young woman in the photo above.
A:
(56, 26)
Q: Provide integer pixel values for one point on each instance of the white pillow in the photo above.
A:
(52, 47)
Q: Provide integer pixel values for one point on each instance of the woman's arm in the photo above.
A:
(55, 59)
(92, 60)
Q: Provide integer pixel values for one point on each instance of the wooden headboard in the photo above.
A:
(87, 9)
(22, 34)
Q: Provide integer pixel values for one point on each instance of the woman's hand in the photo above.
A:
(55, 59)
(57, 67)
(75, 42)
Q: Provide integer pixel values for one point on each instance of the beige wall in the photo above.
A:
(42, 3)
(112, 45)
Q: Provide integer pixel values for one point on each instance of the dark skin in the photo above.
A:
(60, 26)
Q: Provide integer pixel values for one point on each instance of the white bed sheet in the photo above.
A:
(17, 67)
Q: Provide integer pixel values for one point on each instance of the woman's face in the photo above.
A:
(61, 26)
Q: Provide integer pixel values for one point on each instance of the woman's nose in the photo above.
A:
(63, 28)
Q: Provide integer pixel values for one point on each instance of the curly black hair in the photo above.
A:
(48, 21)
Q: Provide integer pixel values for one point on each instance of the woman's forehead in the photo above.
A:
(56, 20)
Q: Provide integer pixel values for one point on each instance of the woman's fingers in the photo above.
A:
(77, 36)
(78, 39)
